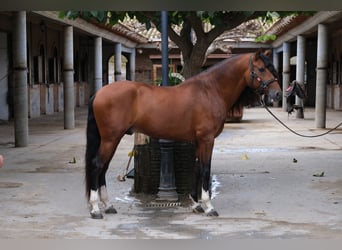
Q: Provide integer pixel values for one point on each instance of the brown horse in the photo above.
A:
(194, 111)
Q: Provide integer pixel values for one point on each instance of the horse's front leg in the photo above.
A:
(196, 184)
(205, 154)
(206, 199)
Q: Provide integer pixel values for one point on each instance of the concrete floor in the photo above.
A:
(259, 191)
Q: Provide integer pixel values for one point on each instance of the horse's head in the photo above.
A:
(263, 76)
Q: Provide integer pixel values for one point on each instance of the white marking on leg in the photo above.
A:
(194, 203)
(206, 201)
(94, 201)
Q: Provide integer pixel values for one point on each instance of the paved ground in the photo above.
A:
(259, 191)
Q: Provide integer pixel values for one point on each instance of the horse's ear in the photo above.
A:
(257, 54)
(268, 53)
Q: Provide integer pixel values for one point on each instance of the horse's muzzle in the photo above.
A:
(274, 95)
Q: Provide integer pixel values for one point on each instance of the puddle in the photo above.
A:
(249, 150)
(128, 200)
(215, 184)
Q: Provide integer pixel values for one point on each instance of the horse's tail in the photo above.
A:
(93, 144)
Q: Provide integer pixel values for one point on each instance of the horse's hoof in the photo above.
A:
(212, 213)
(96, 216)
(198, 209)
(110, 210)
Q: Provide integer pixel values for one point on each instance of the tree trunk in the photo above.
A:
(190, 68)
(194, 52)
(194, 62)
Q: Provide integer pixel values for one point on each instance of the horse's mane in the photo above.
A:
(248, 97)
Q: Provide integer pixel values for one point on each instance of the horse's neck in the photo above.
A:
(233, 83)
(226, 81)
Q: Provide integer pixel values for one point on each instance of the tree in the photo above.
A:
(193, 50)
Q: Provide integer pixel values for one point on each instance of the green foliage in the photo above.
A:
(272, 16)
(174, 78)
(265, 38)
(217, 18)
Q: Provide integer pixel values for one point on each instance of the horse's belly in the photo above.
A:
(173, 129)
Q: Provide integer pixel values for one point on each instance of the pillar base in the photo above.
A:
(167, 187)
(300, 113)
(167, 194)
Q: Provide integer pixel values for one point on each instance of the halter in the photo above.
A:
(263, 84)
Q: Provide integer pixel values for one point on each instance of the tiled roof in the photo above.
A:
(247, 31)
(285, 24)
(121, 29)
(152, 34)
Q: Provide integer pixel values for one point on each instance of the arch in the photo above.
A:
(39, 65)
(53, 66)
(111, 68)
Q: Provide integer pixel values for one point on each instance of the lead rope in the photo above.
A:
(296, 133)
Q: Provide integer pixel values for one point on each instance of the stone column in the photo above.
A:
(276, 66)
(118, 62)
(68, 87)
(20, 80)
(321, 77)
(300, 71)
(132, 57)
(97, 64)
(286, 70)
(276, 60)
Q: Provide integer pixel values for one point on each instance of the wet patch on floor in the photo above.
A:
(54, 170)
(333, 188)
(46, 170)
(10, 184)
(8, 144)
(248, 150)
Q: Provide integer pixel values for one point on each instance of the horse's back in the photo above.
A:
(120, 87)
(118, 93)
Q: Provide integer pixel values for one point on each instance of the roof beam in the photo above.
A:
(307, 27)
(88, 28)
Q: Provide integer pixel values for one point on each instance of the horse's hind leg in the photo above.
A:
(109, 209)
(101, 161)
(94, 194)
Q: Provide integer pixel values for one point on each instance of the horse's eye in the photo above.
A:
(261, 70)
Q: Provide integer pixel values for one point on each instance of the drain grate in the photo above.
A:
(163, 204)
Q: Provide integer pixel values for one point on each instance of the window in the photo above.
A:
(53, 67)
(84, 68)
(39, 67)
